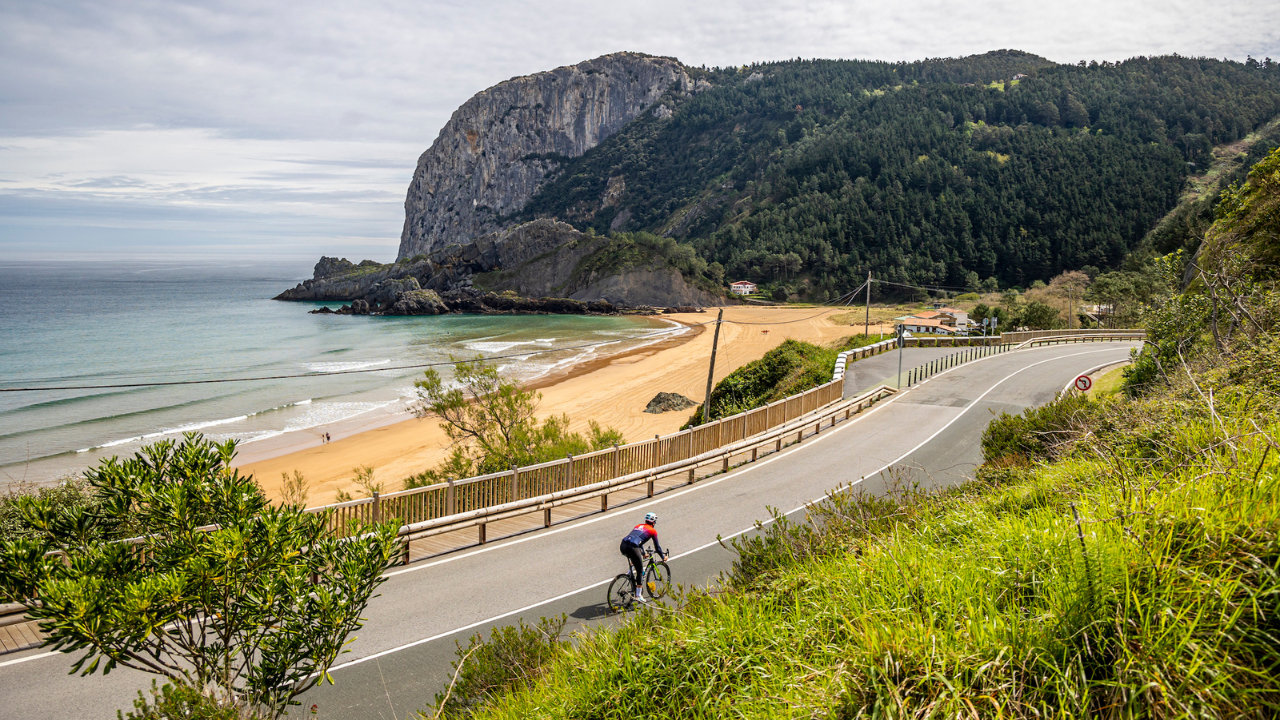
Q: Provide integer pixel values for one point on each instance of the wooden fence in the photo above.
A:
(521, 483)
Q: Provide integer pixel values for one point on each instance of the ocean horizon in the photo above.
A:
(130, 323)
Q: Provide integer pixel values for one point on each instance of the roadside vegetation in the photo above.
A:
(492, 425)
(236, 604)
(789, 369)
(1115, 556)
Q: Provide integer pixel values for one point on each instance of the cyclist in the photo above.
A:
(632, 544)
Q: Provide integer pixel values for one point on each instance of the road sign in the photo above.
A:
(1083, 383)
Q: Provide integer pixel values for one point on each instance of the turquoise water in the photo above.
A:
(72, 323)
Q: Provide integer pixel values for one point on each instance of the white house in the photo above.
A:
(742, 287)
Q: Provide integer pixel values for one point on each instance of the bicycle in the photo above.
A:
(622, 591)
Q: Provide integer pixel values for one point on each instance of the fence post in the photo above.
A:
(657, 449)
(568, 472)
(377, 507)
(617, 459)
(448, 499)
(515, 482)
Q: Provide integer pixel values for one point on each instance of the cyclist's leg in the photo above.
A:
(637, 562)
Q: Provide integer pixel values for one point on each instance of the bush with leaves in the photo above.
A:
(491, 422)
(511, 658)
(182, 702)
(221, 590)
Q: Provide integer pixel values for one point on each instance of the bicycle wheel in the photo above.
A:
(658, 579)
(622, 593)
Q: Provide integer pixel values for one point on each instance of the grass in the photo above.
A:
(1109, 383)
(1129, 567)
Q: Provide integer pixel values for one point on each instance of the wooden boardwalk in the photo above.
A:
(20, 636)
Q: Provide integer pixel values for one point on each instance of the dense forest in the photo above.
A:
(950, 172)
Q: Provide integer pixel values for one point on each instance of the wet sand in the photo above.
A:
(613, 390)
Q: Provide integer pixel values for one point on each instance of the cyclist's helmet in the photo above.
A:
(650, 518)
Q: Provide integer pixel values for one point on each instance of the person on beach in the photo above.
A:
(326, 437)
(634, 542)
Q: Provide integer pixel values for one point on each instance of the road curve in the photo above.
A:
(401, 658)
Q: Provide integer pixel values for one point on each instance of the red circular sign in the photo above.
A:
(1083, 383)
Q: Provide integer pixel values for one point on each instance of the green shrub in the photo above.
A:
(510, 659)
(1039, 433)
(182, 702)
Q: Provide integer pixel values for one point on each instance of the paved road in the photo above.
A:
(401, 658)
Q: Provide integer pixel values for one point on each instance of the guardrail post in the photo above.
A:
(650, 484)
(404, 557)
(482, 532)
(753, 454)
(448, 499)
(546, 517)
(604, 502)
(778, 445)
(725, 467)
(691, 472)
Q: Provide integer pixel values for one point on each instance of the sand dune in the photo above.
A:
(613, 391)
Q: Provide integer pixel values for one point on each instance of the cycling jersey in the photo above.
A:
(642, 534)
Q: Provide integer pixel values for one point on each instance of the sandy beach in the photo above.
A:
(612, 390)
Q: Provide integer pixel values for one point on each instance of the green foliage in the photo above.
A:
(220, 590)
(69, 502)
(182, 702)
(641, 249)
(510, 659)
(792, 367)
(1039, 433)
(492, 424)
(1159, 602)
(905, 170)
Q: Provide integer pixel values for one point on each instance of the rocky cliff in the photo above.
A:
(497, 272)
(499, 147)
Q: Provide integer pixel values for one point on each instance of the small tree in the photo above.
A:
(492, 424)
(1070, 286)
(221, 590)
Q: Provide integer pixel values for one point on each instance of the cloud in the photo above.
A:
(166, 102)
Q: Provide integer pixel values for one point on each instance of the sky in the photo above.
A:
(288, 130)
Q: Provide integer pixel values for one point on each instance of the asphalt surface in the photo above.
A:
(401, 659)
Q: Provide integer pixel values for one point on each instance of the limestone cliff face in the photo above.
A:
(498, 148)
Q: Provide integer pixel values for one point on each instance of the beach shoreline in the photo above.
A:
(612, 389)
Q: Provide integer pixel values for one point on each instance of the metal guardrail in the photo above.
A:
(927, 370)
(521, 483)
(1094, 336)
(829, 414)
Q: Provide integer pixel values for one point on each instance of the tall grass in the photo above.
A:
(1137, 574)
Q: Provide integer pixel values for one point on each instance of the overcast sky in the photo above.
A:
(292, 129)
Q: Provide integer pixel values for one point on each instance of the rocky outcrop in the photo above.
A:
(668, 402)
(427, 302)
(540, 259)
(499, 147)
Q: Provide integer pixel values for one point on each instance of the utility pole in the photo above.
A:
(866, 327)
(711, 372)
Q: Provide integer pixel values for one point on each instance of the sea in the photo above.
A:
(87, 347)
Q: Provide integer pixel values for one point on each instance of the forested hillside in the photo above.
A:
(942, 172)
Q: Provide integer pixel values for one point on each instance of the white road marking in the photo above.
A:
(719, 539)
(672, 496)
